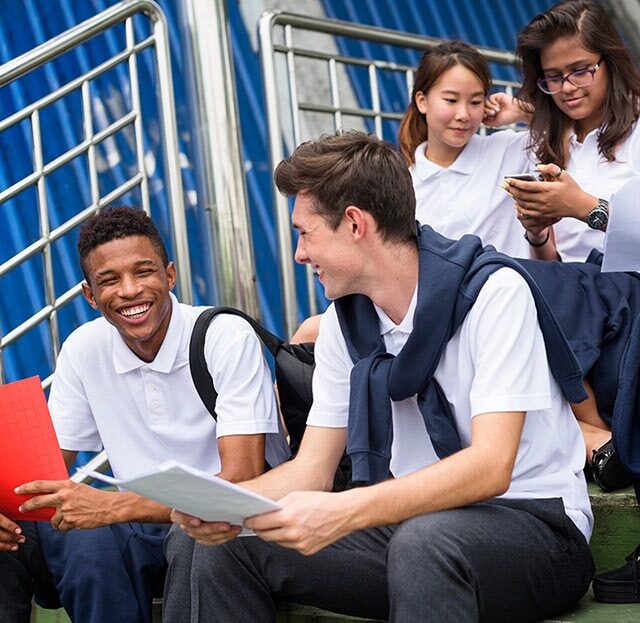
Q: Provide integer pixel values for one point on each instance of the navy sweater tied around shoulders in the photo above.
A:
(451, 275)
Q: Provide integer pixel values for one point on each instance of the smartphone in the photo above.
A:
(525, 177)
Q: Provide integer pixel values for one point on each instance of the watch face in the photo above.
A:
(598, 218)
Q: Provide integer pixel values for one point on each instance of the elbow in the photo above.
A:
(500, 482)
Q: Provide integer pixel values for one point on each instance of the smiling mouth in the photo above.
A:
(135, 312)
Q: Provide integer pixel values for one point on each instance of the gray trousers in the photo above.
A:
(516, 560)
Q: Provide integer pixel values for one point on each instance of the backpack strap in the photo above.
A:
(197, 362)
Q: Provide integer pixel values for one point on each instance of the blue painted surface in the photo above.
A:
(26, 24)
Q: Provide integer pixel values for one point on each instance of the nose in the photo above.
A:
(129, 286)
(462, 114)
(567, 87)
(301, 256)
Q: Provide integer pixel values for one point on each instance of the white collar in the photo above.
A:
(406, 324)
(465, 163)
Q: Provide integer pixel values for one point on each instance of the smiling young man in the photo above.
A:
(433, 372)
(123, 383)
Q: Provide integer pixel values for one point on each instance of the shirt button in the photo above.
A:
(155, 404)
(152, 388)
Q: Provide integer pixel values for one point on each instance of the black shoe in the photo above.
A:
(607, 469)
(622, 585)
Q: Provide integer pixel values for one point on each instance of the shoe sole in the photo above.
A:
(616, 594)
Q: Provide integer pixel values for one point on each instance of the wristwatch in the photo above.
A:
(599, 216)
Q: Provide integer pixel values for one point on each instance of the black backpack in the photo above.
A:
(294, 365)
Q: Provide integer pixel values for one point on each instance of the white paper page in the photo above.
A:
(622, 240)
(194, 492)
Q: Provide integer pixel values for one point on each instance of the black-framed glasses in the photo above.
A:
(578, 78)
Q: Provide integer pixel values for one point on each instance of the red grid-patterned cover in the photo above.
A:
(28, 446)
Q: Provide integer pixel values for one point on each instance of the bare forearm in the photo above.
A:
(295, 475)
(125, 507)
(464, 478)
(312, 469)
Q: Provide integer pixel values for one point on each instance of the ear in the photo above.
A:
(171, 275)
(357, 221)
(421, 102)
(87, 292)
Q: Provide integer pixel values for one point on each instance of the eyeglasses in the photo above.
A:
(578, 78)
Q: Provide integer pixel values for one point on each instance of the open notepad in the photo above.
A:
(194, 492)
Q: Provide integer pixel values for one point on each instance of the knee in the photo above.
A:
(424, 546)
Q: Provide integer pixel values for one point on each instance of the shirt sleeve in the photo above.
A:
(511, 372)
(68, 404)
(246, 402)
(331, 377)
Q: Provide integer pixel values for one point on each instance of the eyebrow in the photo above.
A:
(452, 92)
(570, 65)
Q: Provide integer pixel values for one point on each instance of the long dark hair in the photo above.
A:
(434, 62)
(549, 125)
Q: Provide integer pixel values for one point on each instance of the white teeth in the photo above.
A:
(135, 311)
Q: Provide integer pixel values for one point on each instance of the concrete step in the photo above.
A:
(616, 526)
(616, 533)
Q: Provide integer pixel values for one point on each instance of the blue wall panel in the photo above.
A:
(26, 24)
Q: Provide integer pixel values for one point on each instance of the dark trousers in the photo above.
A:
(102, 575)
(21, 574)
(516, 560)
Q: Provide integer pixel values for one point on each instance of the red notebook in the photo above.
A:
(29, 447)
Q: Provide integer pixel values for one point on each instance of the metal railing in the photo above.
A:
(119, 14)
(295, 47)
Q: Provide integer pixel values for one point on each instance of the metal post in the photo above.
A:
(222, 165)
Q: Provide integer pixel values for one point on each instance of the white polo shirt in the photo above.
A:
(466, 198)
(489, 365)
(104, 396)
(599, 177)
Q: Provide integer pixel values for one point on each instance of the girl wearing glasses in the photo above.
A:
(584, 89)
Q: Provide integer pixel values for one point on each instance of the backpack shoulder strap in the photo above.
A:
(197, 362)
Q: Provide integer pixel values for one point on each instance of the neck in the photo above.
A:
(443, 157)
(582, 128)
(394, 282)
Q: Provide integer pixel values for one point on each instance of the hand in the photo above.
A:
(77, 505)
(536, 226)
(308, 521)
(11, 536)
(556, 197)
(502, 109)
(205, 532)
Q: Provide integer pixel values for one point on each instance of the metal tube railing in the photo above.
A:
(270, 51)
(122, 12)
(217, 133)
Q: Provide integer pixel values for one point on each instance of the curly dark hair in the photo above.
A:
(113, 223)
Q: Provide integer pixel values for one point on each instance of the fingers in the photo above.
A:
(552, 171)
(205, 532)
(39, 501)
(41, 486)
(11, 536)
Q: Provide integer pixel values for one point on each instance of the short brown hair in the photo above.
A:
(353, 168)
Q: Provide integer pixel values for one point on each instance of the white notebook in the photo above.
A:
(194, 492)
